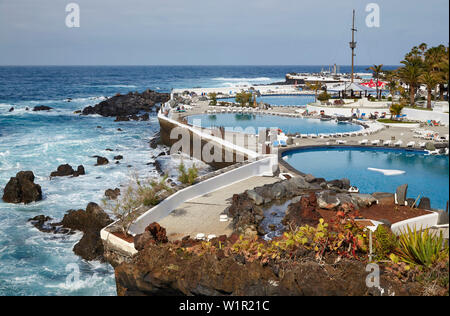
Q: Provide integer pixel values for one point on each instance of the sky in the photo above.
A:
(216, 32)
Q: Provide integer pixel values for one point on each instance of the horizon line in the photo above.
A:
(193, 65)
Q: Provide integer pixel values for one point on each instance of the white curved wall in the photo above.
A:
(263, 167)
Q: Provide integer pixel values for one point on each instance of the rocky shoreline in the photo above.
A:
(126, 107)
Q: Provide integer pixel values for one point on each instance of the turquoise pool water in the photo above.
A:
(286, 124)
(282, 100)
(425, 175)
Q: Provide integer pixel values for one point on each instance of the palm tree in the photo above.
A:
(410, 74)
(436, 59)
(395, 109)
(314, 87)
(430, 80)
(377, 69)
(392, 84)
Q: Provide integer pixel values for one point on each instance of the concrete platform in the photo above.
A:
(201, 215)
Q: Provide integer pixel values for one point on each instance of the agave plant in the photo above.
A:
(421, 247)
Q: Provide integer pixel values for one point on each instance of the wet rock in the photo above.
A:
(112, 194)
(94, 218)
(67, 170)
(144, 117)
(122, 119)
(129, 104)
(90, 246)
(11, 109)
(22, 189)
(401, 194)
(41, 222)
(425, 203)
(119, 157)
(101, 161)
(42, 108)
(155, 141)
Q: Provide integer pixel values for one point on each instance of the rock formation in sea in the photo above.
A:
(42, 108)
(89, 221)
(67, 170)
(128, 104)
(22, 189)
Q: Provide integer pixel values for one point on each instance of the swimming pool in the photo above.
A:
(281, 100)
(425, 175)
(289, 125)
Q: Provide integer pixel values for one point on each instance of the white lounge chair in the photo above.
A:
(422, 145)
(341, 142)
(411, 144)
(387, 143)
(375, 142)
(398, 143)
(363, 142)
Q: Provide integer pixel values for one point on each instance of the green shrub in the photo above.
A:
(390, 99)
(189, 176)
(213, 98)
(385, 242)
(323, 97)
(421, 247)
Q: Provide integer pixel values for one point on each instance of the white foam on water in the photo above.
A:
(388, 172)
(242, 79)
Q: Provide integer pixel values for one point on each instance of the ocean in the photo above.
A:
(35, 263)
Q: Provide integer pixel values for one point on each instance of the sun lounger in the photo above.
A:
(341, 142)
(410, 144)
(387, 143)
(422, 145)
(363, 142)
(398, 143)
(375, 142)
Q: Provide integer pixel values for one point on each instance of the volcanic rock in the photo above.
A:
(67, 170)
(129, 104)
(112, 194)
(42, 108)
(22, 189)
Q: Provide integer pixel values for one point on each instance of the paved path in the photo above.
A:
(201, 215)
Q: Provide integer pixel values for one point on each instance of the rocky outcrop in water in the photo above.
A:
(129, 104)
(90, 221)
(22, 189)
(112, 194)
(101, 161)
(42, 108)
(67, 170)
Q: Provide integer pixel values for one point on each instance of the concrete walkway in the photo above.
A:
(201, 215)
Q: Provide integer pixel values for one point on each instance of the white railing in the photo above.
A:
(263, 167)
